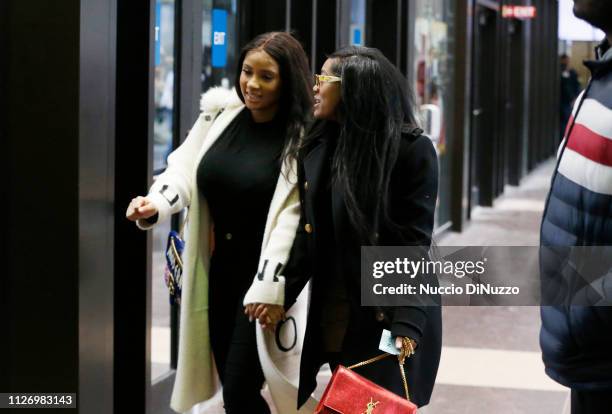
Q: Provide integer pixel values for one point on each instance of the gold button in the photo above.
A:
(228, 236)
(306, 185)
(308, 228)
(380, 316)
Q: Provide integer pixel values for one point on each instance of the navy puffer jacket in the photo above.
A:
(576, 340)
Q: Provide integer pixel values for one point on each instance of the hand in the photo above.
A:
(249, 310)
(140, 208)
(406, 346)
(267, 314)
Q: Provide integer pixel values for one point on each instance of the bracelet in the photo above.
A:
(407, 343)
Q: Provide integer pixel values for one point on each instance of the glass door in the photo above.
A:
(163, 316)
(433, 57)
(162, 146)
(178, 35)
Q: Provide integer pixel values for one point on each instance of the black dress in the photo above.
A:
(237, 176)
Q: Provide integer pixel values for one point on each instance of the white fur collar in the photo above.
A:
(219, 97)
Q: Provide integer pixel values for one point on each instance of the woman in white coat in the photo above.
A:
(235, 170)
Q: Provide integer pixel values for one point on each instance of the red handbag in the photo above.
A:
(350, 393)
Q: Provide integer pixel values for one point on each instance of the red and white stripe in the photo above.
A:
(587, 159)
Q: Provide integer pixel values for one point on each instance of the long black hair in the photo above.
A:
(376, 104)
(295, 106)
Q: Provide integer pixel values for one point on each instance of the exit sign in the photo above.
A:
(518, 12)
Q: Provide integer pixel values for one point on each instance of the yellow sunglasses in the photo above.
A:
(318, 79)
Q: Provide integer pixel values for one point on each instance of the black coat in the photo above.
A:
(413, 194)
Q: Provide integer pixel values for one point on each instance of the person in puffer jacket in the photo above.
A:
(576, 339)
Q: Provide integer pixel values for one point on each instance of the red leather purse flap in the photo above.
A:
(350, 393)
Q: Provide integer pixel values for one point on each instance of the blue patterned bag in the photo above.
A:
(173, 274)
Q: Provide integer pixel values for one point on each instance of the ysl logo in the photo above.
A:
(370, 407)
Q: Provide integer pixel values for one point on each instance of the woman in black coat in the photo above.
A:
(367, 177)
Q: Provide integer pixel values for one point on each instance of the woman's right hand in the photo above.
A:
(140, 208)
(267, 314)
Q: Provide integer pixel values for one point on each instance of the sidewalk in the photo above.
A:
(491, 360)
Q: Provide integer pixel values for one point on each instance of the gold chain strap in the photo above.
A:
(383, 356)
(177, 256)
(369, 361)
(404, 380)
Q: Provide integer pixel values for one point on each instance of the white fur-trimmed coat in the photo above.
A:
(175, 189)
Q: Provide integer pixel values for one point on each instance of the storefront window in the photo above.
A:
(219, 43)
(358, 12)
(433, 58)
(164, 82)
